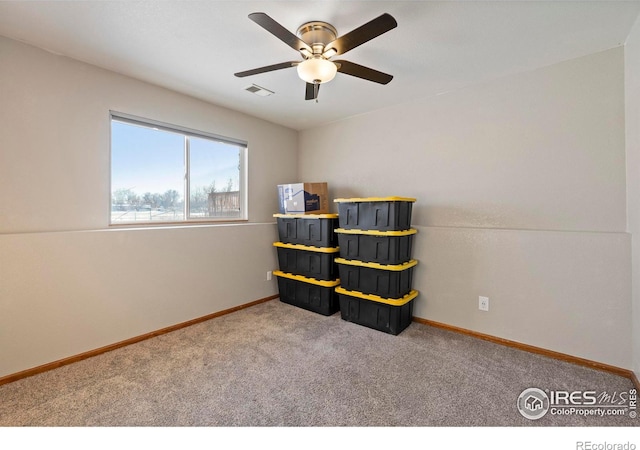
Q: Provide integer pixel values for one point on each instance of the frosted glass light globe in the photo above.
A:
(318, 70)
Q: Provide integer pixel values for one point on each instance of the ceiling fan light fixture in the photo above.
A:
(317, 70)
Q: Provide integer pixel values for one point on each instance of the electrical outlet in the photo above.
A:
(483, 303)
(269, 275)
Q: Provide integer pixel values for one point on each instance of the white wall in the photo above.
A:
(520, 187)
(68, 284)
(632, 116)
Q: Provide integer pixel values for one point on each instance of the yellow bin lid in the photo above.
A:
(307, 247)
(291, 276)
(374, 199)
(373, 265)
(306, 216)
(377, 232)
(376, 298)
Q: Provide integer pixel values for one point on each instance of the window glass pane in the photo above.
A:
(214, 181)
(166, 173)
(147, 174)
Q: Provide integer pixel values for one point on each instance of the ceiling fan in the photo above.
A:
(317, 42)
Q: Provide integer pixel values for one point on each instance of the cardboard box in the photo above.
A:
(303, 198)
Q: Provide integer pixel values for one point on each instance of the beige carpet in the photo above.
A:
(278, 365)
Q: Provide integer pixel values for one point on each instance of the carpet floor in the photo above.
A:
(274, 364)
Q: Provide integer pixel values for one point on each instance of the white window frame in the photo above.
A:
(186, 132)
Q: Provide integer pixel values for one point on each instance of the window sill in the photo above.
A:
(181, 224)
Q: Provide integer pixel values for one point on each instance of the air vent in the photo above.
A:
(259, 90)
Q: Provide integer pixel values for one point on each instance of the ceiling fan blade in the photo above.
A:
(362, 34)
(356, 70)
(272, 67)
(279, 31)
(311, 91)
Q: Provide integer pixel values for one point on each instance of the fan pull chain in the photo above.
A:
(316, 87)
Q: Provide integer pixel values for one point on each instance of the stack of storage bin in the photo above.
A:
(375, 265)
(307, 251)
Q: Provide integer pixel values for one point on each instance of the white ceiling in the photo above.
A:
(195, 47)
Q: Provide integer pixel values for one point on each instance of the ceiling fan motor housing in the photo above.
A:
(317, 35)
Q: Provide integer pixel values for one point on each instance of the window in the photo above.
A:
(163, 173)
